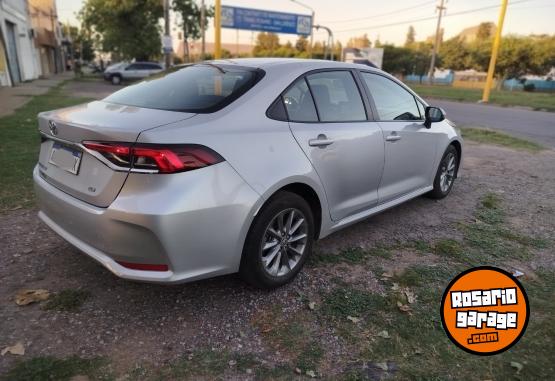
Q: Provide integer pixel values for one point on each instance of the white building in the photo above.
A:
(18, 56)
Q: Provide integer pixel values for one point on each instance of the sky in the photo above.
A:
(348, 18)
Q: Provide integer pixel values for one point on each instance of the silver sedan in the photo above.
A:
(237, 166)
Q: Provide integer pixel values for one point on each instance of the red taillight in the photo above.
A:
(144, 266)
(161, 158)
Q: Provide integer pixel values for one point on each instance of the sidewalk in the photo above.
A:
(11, 98)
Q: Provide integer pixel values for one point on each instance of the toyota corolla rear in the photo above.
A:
(146, 211)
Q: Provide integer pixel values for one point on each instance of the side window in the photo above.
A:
(337, 96)
(299, 103)
(392, 101)
(132, 67)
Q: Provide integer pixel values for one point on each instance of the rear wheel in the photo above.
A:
(279, 241)
(116, 79)
(446, 173)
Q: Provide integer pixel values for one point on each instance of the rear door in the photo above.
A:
(153, 68)
(132, 71)
(410, 147)
(329, 119)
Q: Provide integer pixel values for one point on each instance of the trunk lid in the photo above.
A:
(62, 160)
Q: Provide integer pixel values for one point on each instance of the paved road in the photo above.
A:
(538, 126)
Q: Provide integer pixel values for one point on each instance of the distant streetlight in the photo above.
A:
(330, 41)
(311, 24)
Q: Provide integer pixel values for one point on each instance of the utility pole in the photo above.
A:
(435, 49)
(167, 52)
(203, 30)
(495, 51)
(218, 30)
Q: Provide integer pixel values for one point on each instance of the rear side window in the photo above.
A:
(196, 88)
(299, 104)
(337, 96)
(392, 101)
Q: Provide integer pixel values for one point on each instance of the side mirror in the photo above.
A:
(433, 115)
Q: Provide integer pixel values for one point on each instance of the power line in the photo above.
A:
(428, 18)
(380, 15)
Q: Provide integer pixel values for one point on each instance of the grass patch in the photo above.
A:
(357, 255)
(417, 347)
(202, 362)
(344, 301)
(210, 364)
(350, 255)
(20, 146)
(293, 336)
(448, 248)
(534, 100)
(51, 368)
(489, 239)
(67, 300)
(488, 136)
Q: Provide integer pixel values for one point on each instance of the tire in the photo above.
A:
(116, 79)
(258, 267)
(441, 190)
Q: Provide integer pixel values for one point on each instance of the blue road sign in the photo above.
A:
(265, 21)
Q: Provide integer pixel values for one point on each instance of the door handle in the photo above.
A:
(393, 137)
(321, 141)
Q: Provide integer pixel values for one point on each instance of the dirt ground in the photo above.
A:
(135, 324)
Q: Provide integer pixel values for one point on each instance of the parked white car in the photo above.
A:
(125, 71)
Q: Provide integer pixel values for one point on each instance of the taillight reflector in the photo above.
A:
(161, 158)
(144, 266)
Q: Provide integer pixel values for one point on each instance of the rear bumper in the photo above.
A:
(194, 222)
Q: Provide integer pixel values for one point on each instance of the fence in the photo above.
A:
(478, 82)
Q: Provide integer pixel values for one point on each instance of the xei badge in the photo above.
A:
(485, 310)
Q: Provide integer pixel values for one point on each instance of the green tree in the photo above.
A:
(485, 31)
(455, 54)
(517, 57)
(190, 22)
(266, 44)
(128, 28)
(301, 44)
(397, 60)
(359, 42)
(411, 37)
(82, 44)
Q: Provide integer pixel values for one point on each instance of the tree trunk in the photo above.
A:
(500, 81)
(186, 43)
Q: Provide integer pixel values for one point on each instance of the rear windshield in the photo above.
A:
(201, 88)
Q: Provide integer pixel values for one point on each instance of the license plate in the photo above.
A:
(65, 157)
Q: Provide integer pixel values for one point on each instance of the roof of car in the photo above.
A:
(263, 63)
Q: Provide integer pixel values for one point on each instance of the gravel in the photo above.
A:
(132, 323)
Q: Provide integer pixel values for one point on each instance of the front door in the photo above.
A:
(13, 62)
(410, 148)
(329, 121)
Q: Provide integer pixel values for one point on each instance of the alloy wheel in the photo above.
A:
(448, 168)
(284, 242)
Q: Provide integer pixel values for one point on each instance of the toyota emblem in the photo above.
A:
(53, 128)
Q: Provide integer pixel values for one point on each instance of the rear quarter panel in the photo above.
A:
(262, 151)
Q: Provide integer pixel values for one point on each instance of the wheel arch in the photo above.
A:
(458, 146)
(309, 194)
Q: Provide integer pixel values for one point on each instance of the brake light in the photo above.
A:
(168, 158)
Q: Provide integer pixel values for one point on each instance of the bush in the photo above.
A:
(529, 87)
